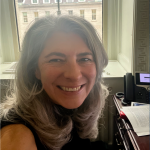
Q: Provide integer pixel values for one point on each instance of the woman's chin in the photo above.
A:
(72, 106)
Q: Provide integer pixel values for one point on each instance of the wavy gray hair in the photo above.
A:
(53, 123)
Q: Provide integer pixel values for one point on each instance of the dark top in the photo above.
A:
(75, 144)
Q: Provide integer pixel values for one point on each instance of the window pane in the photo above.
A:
(34, 1)
(25, 14)
(83, 8)
(88, 9)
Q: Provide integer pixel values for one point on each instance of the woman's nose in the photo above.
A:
(73, 71)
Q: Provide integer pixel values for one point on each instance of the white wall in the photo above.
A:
(6, 32)
(118, 25)
(126, 30)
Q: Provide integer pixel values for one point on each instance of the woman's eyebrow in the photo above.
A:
(56, 54)
(85, 54)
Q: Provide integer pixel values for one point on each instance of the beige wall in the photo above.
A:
(23, 26)
(127, 25)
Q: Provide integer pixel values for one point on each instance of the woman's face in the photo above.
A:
(66, 69)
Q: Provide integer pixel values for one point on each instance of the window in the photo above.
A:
(28, 10)
(34, 1)
(117, 21)
(25, 19)
(81, 0)
(93, 14)
(46, 1)
(47, 13)
(69, 1)
(56, 1)
(70, 12)
(82, 13)
(36, 15)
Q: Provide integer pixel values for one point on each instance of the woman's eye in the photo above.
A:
(85, 59)
(55, 60)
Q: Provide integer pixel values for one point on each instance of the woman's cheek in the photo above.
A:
(50, 74)
(91, 72)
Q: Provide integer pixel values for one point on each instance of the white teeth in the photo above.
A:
(70, 89)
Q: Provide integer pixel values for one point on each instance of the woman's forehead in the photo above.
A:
(64, 42)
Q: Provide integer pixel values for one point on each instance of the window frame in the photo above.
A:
(46, 2)
(34, 3)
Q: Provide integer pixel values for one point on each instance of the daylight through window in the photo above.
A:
(30, 10)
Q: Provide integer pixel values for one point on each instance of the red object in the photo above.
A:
(122, 115)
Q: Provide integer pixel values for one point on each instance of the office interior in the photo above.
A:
(125, 36)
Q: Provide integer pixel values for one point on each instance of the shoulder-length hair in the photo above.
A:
(53, 123)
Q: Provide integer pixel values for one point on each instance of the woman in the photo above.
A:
(59, 94)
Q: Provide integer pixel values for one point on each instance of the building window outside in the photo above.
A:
(47, 13)
(81, 0)
(46, 1)
(82, 13)
(25, 19)
(56, 1)
(34, 1)
(36, 15)
(69, 1)
(93, 14)
(70, 12)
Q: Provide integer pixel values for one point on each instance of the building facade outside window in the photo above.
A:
(70, 12)
(25, 19)
(36, 15)
(46, 7)
(82, 13)
(34, 1)
(47, 13)
(93, 14)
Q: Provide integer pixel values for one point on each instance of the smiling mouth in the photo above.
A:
(70, 89)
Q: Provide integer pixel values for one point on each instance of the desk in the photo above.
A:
(125, 138)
